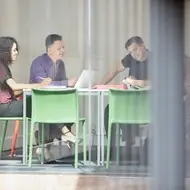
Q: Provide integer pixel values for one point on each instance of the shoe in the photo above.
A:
(70, 137)
(65, 142)
(47, 154)
(56, 142)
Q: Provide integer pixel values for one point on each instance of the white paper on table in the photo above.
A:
(54, 87)
(129, 86)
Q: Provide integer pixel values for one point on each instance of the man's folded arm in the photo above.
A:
(39, 73)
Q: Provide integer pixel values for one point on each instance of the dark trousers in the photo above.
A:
(53, 131)
(128, 131)
(15, 109)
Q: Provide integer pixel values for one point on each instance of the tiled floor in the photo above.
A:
(15, 176)
(63, 176)
(10, 166)
(65, 165)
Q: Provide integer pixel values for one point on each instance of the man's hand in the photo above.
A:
(72, 82)
(134, 82)
(130, 80)
(45, 82)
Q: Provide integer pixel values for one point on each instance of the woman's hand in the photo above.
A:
(18, 92)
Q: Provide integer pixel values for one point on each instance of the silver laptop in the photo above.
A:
(87, 79)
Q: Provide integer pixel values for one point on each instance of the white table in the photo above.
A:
(100, 133)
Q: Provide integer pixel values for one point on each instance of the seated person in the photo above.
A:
(51, 65)
(136, 60)
(9, 88)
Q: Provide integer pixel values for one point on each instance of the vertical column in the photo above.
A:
(88, 62)
(166, 71)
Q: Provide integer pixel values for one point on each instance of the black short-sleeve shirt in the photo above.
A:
(137, 69)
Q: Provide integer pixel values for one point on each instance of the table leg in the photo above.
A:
(24, 131)
(99, 130)
(89, 129)
(102, 125)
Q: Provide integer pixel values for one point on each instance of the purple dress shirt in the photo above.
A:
(43, 67)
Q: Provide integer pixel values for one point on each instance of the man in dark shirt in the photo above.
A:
(136, 60)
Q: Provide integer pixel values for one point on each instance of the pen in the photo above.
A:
(40, 78)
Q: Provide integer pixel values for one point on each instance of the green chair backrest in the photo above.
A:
(129, 106)
(54, 106)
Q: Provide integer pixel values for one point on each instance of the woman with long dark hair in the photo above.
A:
(9, 88)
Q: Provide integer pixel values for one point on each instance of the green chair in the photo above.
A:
(56, 106)
(6, 120)
(126, 107)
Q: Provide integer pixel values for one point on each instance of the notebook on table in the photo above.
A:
(109, 86)
(54, 87)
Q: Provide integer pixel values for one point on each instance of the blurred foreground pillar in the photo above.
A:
(167, 150)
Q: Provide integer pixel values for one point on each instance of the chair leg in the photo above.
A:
(17, 124)
(3, 135)
(76, 145)
(84, 142)
(108, 146)
(27, 121)
(31, 144)
(39, 134)
(42, 144)
(118, 143)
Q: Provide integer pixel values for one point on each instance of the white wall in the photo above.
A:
(113, 22)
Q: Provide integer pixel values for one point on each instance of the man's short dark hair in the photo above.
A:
(135, 39)
(51, 39)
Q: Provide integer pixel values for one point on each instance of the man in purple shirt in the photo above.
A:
(51, 65)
